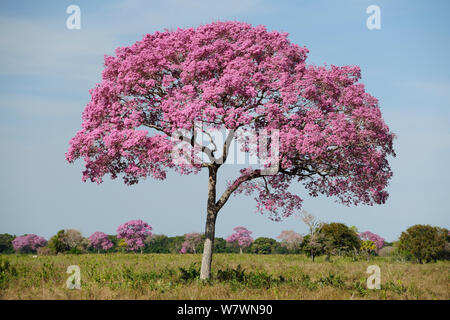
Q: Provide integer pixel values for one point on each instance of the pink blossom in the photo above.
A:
(333, 139)
(134, 232)
(367, 235)
(241, 237)
(28, 243)
(191, 241)
(100, 240)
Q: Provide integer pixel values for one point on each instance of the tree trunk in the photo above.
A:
(240, 250)
(210, 228)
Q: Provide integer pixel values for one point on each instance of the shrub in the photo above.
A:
(337, 238)
(56, 243)
(220, 245)
(7, 271)
(239, 276)
(69, 240)
(157, 243)
(189, 274)
(6, 243)
(423, 242)
(263, 245)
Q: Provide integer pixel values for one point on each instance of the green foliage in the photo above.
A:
(263, 245)
(220, 245)
(189, 274)
(6, 243)
(157, 243)
(175, 244)
(337, 238)
(332, 280)
(121, 244)
(424, 242)
(396, 287)
(7, 272)
(360, 287)
(239, 277)
(56, 243)
(312, 246)
(368, 248)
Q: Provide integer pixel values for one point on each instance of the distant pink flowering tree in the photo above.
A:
(100, 241)
(290, 239)
(376, 239)
(241, 237)
(191, 241)
(28, 243)
(163, 92)
(134, 232)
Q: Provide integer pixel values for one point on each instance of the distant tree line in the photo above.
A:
(422, 243)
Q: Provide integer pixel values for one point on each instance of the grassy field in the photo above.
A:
(175, 276)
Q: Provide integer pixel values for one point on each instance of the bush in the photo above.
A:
(7, 272)
(445, 255)
(157, 243)
(69, 240)
(6, 243)
(337, 238)
(56, 243)
(263, 245)
(239, 276)
(424, 242)
(189, 274)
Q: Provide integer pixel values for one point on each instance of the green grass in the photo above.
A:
(235, 276)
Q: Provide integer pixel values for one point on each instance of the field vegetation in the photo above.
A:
(235, 276)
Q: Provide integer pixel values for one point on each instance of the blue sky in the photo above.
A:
(46, 71)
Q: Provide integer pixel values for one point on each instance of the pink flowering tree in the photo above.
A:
(100, 241)
(376, 239)
(134, 232)
(290, 239)
(191, 241)
(241, 237)
(159, 95)
(28, 243)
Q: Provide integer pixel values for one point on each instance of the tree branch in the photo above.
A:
(223, 199)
